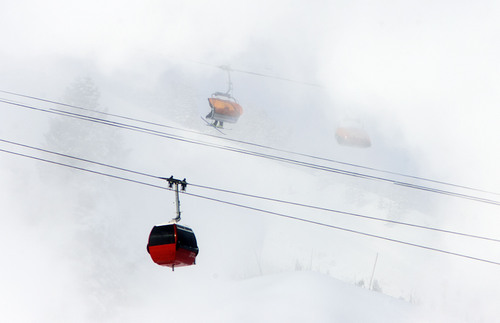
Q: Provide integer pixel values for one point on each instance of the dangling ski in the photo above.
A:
(211, 125)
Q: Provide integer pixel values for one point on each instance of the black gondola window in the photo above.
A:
(186, 239)
(164, 234)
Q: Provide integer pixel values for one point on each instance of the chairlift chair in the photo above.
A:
(224, 107)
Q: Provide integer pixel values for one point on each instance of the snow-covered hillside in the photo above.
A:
(300, 296)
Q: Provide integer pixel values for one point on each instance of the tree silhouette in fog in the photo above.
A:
(82, 138)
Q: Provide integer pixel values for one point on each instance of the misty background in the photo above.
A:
(420, 77)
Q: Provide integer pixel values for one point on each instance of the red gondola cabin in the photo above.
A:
(172, 245)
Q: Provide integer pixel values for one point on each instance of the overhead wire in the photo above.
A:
(255, 144)
(348, 230)
(253, 153)
(80, 168)
(260, 210)
(254, 196)
(347, 213)
(276, 77)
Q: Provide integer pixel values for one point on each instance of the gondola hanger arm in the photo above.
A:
(171, 182)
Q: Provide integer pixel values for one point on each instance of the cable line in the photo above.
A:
(347, 213)
(256, 154)
(256, 196)
(81, 168)
(77, 158)
(276, 77)
(265, 211)
(254, 144)
(346, 229)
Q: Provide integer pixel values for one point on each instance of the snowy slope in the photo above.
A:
(285, 297)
